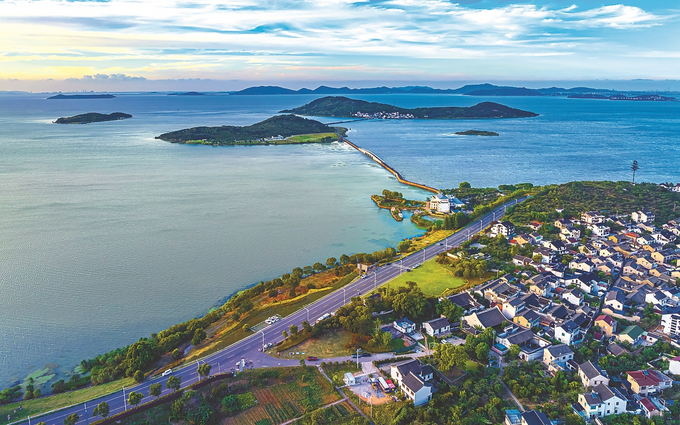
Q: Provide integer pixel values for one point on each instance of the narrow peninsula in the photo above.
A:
(476, 133)
(82, 96)
(91, 117)
(339, 106)
(277, 130)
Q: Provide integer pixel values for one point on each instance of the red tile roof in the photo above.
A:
(607, 319)
(646, 378)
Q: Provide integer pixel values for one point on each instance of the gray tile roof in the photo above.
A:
(590, 370)
(559, 350)
(413, 382)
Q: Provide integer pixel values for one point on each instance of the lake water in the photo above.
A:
(108, 235)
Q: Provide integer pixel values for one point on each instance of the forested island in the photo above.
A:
(91, 117)
(339, 106)
(476, 133)
(280, 129)
(82, 96)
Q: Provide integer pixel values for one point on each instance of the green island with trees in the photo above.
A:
(92, 117)
(340, 106)
(476, 133)
(277, 130)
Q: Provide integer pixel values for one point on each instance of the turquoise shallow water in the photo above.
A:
(107, 234)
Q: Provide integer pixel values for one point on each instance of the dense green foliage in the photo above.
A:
(614, 197)
(93, 117)
(339, 106)
(476, 133)
(279, 125)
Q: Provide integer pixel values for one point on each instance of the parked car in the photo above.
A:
(365, 354)
(167, 372)
(311, 358)
(355, 356)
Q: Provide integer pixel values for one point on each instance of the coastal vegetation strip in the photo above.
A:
(339, 106)
(280, 129)
(92, 117)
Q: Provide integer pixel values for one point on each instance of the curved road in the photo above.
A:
(248, 348)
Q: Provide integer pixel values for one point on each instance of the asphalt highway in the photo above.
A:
(248, 348)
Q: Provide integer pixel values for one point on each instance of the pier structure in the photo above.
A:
(383, 164)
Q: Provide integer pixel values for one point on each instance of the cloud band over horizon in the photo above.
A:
(123, 41)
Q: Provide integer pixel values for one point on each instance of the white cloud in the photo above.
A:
(142, 35)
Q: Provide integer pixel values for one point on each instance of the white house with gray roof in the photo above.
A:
(437, 327)
(591, 375)
(602, 401)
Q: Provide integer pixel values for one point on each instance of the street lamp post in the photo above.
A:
(262, 332)
(375, 280)
(124, 402)
(344, 296)
(307, 313)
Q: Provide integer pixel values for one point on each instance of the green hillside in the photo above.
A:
(91, 117)
(339, 106)
(279, 125)
(613, 197)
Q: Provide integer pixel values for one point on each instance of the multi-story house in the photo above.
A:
(602, 401)
(648, 381)
(568, 333)
(607, 324)
(644, 216)
(591, 375)
(592, 217)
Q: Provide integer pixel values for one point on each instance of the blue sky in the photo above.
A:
(132, 44)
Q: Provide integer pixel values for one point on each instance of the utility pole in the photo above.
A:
(307, 313)
(375, 281)
(344, 296)
(261, 331)
(358, 358)
(87, 420)
(124, 402)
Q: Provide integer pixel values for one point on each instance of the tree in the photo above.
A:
(102, 409)
(482, 351)
(450, 355)
(134, 398)
(331, 262)
(344, 259)
(155, 390)
(464, 185)
(284, 333)
(634, 167)
(306, 327)
(293, 330)
(404, 246)
(199, 335)
(138, 376)
(246, 327)
(452, 311)
(318, 267)
(174, 382)
(71, 419)
(176, 354)
(514, 351)
(204, 369)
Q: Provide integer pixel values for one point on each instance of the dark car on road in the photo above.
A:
(365, 354)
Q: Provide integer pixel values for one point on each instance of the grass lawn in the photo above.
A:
(431, 277)
(397, 344)
(330, 344)
(307, 138)
(45, 404)
(471, 366)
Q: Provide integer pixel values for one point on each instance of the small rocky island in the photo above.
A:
(82, 96)
(91, 117)
(277, 130)
(476, 133)
(339, 106)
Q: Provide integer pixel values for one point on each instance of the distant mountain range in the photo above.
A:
(468, 90)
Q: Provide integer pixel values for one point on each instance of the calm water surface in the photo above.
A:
(107, 234)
